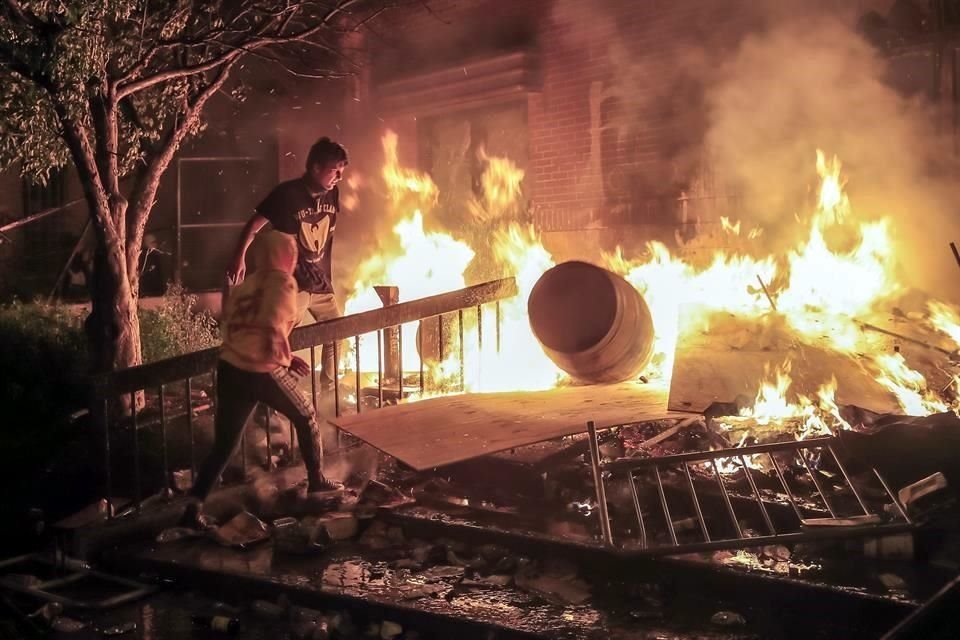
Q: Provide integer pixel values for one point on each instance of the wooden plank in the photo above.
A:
(727, 358)
(441, 431)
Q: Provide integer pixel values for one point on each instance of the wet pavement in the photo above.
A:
(555, 600)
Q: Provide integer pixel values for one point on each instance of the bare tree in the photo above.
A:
(115, 87)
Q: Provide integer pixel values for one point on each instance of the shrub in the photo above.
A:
(44, 362)
(176, 326)
(44, 369)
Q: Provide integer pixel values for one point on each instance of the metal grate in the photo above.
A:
(764, 494)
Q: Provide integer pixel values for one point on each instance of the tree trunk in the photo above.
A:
(112, 327)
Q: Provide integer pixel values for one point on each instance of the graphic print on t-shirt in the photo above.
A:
(313, 237)
(316, 225)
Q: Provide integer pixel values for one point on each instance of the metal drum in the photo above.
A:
(592, 323)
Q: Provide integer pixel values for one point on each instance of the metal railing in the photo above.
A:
(149, 392)
(765, 494)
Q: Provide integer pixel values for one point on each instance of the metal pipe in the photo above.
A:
(726, 499)
(846, 477)
(379, 369)
(136, 451)
(756, 494)
(786, 487)
(336, 380)
(666, 508)
(400, 361)
(703, 456)
(420, 352)
(163, 440)
(178, 242)
(356, 348)
(16, 224)
(193, 452)
(636, 507)
(106, 456)
(440, 338)
(816, 483)
(266, 424)
(696, 503)
(479, 342)
(598, 484)
(463, 377)
(896, 501)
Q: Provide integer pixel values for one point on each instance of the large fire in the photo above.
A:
(841, 271)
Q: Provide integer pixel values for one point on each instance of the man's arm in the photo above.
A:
(237, 268)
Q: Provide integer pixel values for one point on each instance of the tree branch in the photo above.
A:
(84, 159)
(27, 19)
(145, 195)
(247, 43)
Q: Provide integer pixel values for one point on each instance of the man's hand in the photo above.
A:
(299, 366)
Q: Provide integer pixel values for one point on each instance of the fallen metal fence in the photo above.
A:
(150, 391)
(765, 494)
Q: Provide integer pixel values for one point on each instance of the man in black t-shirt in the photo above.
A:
(306, 208)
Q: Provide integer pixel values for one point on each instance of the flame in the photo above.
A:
(908, 385)
(426, 262)
(945, 319)
(501, 184)
(842, 269)
(771, 406)
(729, 227)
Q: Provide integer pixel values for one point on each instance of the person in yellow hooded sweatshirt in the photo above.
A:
(256, 365)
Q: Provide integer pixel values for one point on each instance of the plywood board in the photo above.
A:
(440, 431)
(729, 356)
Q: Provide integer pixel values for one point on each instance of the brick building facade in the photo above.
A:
(601, 103)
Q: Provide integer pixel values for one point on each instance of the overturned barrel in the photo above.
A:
(592, 323)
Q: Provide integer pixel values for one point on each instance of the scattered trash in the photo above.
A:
(242, 531)
(340, 526)
(893, 582)
(268, 610)
(375, 537)
(895, 546)
(64, 624)
(177, 533)
(221, 624)
(851, 521)
(120, 629)
(293, 536)
(487, 582)
(441, 572)
(558, 583)
(727, 619)
(920, 488)
(383, 496)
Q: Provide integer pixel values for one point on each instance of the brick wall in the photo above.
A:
(615, 133)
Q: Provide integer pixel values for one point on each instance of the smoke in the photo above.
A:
(815, 83)
(754, 89)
